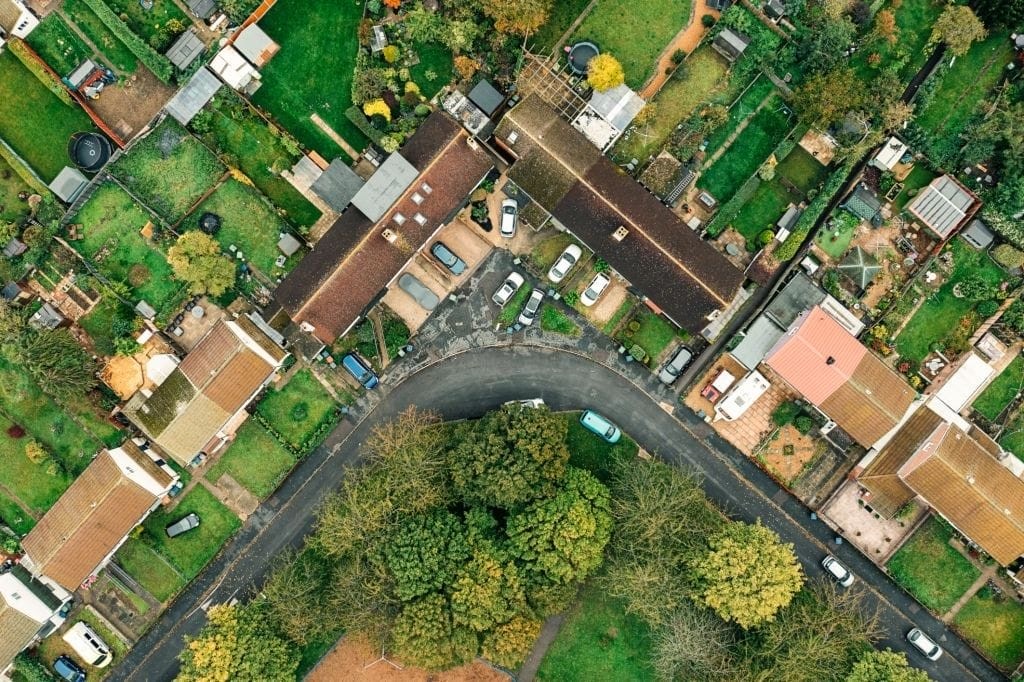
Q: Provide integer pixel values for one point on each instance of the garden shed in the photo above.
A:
(188, 101)
(859, 267)
(68, 184)
(943, 206)
(978, 235)
(255, 45)
(288, 245)
(186, 49)
(730, 44)
(863, 203)
(203, 9)
(486, 97)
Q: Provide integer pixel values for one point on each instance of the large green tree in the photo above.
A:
(959, 28)
(57, 362)
(237, 644)
(487, 591)
(196, 259)
(294, 594)
(1009, 13)
(885, 666)
(426, 636)
(827, 97)
(425, 553)
(508, 644)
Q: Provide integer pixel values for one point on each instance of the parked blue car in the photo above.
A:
(362, 372)
(592, 421)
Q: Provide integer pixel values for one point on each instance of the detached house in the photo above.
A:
(29, 610)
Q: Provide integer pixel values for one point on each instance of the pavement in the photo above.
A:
(464, 367)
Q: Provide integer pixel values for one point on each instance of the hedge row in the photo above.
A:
(153, 60)
(24, 54)
(731, 208)
(312, 440)
(356, 115)
(814, 210)
(19, 167)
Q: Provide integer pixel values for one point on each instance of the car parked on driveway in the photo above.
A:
(427, 299)
(675, 366)
(592, 421)
(507, 289)
(455, 265)
(509, 218)
(925, 644)
(360, 370)
(570, 256)
(595, 289)
(182, 525)
(837, 570)
(529, 313)
(67, 669)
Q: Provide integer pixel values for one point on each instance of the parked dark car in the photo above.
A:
(448, 258)
(427, 299)
(359, 369)
(182, 525)
(67, 669)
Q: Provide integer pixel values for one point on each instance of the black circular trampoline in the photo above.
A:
(580, 55)
(89, 151)
(209, 223)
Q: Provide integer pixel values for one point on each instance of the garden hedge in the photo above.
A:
(19, 167)
(356, 115)
(153, 60)
(814, 210)
(25, 55)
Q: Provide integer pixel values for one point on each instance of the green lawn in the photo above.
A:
(1013, 438)
(434, 70)
(553, 319)
(913, 19)
(111, 223)
(296, 410)
(589, 451)
(635, 33)
(117, 53)
(29, 481)
(702, 74)
(150, 569)
(169, 170)
(11, 207)
(560, 18)
(740, 110)
(58, 45)
(152, 24)
(99, 323)
(938, 317)
(255, 460)
(625, 309)
(763, 210)
(250, 144)
(836, 239)
(248, 222)
(33, 121)
(12, 514)
(599, 641)
(191, 551)
(802, 169)
(1001, 391)
(312, 75)
(919, 177)
(931, 570)
(995, 627)
(747, 152)
(654, 335)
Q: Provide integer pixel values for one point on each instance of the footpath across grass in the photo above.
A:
(930, 569)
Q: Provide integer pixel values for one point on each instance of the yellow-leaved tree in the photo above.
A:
(604, 72)
(377, 107)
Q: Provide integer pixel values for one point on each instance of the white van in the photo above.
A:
(88, 645)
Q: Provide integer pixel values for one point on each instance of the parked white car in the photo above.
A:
(507, 289)
(564, 264)
(837, 570)
(595, 289)
(509, 218)
(529, 313)
(925, 644)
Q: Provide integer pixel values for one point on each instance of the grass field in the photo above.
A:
(771, 198)
(588, 451)
(599, 641)
(919, 177)
(250, 144)
(931, 570)
(913, 20)
(560, 18)
(995, 627)
(255, 460)
(11, 207)
(435, 60)
(248, 222)
(937, 318)
(33, 121)
(169, 170)
(296, 410)
(1012, 439)
(58, 45)
(191, 551)
(116, 52)
(994, 399)
(312, 75)
(702, 74)
(747, 152)
(553, 319)
(13, 515)
(36, 488)
(150, 569)
(635, 33)
(802, 169)
(152, 24)
(111, 223)
(654, 335)
(740, 111)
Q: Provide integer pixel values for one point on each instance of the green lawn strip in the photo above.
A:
(249, 223)
(152, 24)
(913, 20)
(599, 641)
(836, 239)
(33, 121)
(110, 238)
(58, 45)
(763, 210)
(625, 309)
(740, 111)
(589, 451)
(116, 52)
(11, 185)
(931, 570)
(26, 479)
(238, 131)
(995, 627)
(552, 319)
(635, 33)
(919, 177)
(654, 333)
(701, 75)
(994, 399)
(191, 551)
(98, 322)
(169, 170)
(150, 569)
(296, 410)
(510, 312)
(939, 315)
(312, 75)
(255, 460)
(747, 152)
(560, 18)
(434, 70)
(801, 169)
(1012, 439)
(12, 514)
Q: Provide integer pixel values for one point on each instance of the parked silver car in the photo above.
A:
(675, 366)
(182, 525)
(427, 299)
(509, 218)
(595, 289)
(925, 644)
(529, 313)
(507, 289)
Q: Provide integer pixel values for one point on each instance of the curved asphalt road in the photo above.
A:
(469, 384)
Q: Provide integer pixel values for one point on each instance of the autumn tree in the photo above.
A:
(237, 644)
(508, 644)
(747, 574)
(519, 17)
(826, 98)
(424, 553)
(885, 666)
(693, 645)
(196, 259)
(466, 66)
(294, 595)
(57, 362)
(885, 26)
(958, 27)
(486, 591)
(425, 635)
(604, 72)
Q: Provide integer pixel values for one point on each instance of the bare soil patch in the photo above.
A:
(350, 658)
(128, 107)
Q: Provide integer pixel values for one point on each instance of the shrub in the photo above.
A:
(14, 431)
(390, 54)
(572, 298)
(765, 238)
(707, 21)
(638, 353)
(1008, 256)
(988, 308)
(803, 424)
(35, 451)
(153, 60)
(785, 413)
(604, 72)
(377, 107)
(678, 56)
(358, 118)
(633, 326)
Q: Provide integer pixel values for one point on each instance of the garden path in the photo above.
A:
(988, 573)
(21, 503)
(547, 635)
(331, 133)
(736, 133)
(573, 27)
(686, 40)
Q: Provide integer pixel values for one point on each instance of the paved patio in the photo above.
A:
(877, 538)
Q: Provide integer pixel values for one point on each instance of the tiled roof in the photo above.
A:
(18, 630)
(863, 203)
(9, 15)
(943, 205)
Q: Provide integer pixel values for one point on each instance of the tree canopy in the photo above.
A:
(519, 17)
(237, 644)
(197, 260)
(959, 28)
(604, 72)
(885, 666)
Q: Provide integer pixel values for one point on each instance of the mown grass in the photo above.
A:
(11, 185)
(150, 569)
(654, 335)
(14, 516)
(588, 451)
(296, 410)
(29, 481)
(914, 19)
(919, 177)
(255, 460)
(547, 252)
(995, 627)
(58, 45)
(435, 68)
(560, 18)
(1012, 439)
(994, 399)
(740, 110)
(116, 52)
(193, 550)
(931, 570)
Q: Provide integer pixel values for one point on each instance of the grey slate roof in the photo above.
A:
(255, 45)
(860, 267)
(942, 205)
(46, 317)
(202, 8)
(186, 49)
(486, 96)
(337, 185)
(730, 44)
(199, 90)
(800, 294)
(977, 234)
(288, 244)
(760, 338)
(68, 184)
(789, 218)
(385, 186)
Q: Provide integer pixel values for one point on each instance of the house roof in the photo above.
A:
(92, 517)
(890, 154)
(683, 275)
(9, 15)
(977, 234)
(188, 101)
(255, 45)
(969, 379)
(860, 267)
(385, 186)
(775, 8)
(25, 605)
(761, 337)
(863, 203)
(486, 97)
(353, 262)
(185, 49)
(731, 44)
(337, 185)
(202, 8)
(216, 380)
(68, 184)
(943, 205)
(233, 68)
(618, 105)
(826, 364)
(799, 294)
(881, 475)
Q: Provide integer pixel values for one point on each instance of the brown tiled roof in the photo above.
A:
(9, 15)
(353, 263)
(871, 403)
(238, 380)
(17, 628)
(214, 350)
(880, 476)
(87, 523)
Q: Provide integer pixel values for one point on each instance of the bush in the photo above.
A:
(707, 21)
(803, 424)
(151, 59)
(678, 56)
(785, 413)
(572, 298)
(988, 308)
(765, 238)
(30, 669)
(633, 326)
(358, 118)
(1008, 256)
(299, 412)
(14, 431)
(638, 353)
